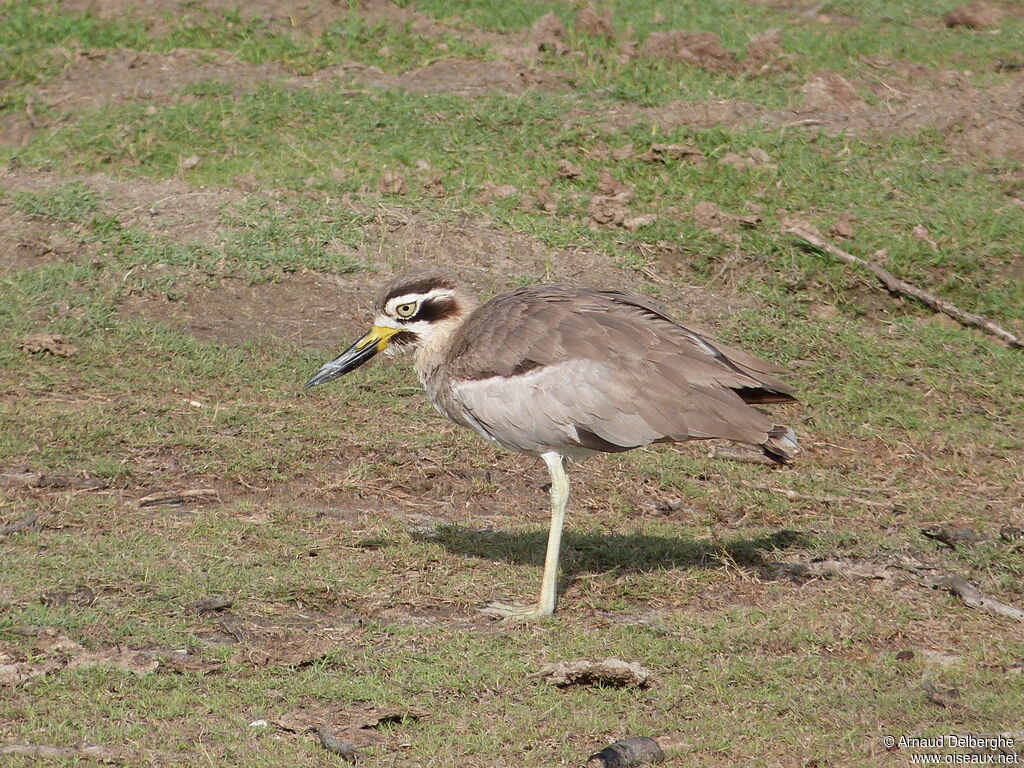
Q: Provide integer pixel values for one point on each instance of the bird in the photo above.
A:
(565, 371)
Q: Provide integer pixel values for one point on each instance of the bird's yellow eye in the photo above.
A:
(406, 310)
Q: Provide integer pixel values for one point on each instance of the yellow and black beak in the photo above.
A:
(368, 346)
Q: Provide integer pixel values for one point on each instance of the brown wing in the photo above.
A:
(602, 370)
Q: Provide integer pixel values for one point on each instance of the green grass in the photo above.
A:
(357, 532)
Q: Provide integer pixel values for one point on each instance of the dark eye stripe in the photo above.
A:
(433, 310)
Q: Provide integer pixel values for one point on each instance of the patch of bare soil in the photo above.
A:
(28, 242)
(170, 208)
(977, 122)
(315, 310)
(360, 727)
(310, 18)
(974, 16)
(53, 652)
(96, 78)
(522, 47)
(307, 309)
(699, 49)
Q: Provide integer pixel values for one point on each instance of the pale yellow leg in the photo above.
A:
(549, 582)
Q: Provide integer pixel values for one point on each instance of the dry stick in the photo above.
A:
(973, 597)
(28, 523)
(895, 285)
(84, 751)
(332, 743)
(797, 496)
(636, 750)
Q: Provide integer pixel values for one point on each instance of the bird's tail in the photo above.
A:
(781, 446)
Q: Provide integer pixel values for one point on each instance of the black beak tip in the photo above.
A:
(321, 377)
(349, 360)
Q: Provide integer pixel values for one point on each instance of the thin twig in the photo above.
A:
(797, 496)
(895, 285)
(31, 113)
(973, 597)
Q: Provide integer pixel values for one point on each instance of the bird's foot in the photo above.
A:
(517, 612)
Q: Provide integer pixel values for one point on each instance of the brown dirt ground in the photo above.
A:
(323, 311)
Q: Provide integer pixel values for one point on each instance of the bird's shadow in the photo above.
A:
(600, 553)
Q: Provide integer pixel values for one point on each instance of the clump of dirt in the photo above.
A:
(392, 183)
(974, 16)
(828, 90)
(590, 22)
(612, 673)
(662, 153)
(610, 207)
(360, 727)
(548, 35)
(47, 344)
(698, 49)
(764, 48)
(754, 157)
(712, 218)
(489, 192)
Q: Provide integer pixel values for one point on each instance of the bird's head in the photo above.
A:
(410, 309)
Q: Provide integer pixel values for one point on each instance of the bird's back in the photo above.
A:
(577, 370)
